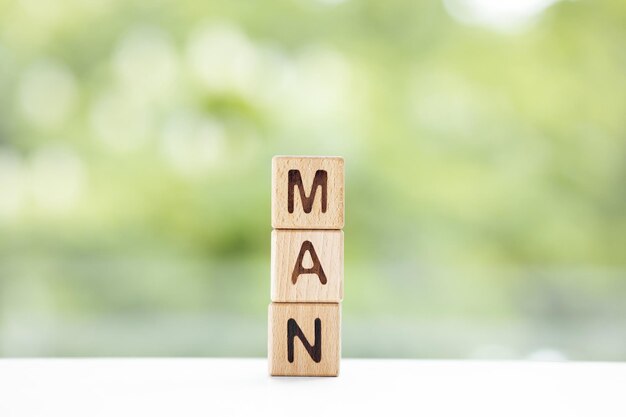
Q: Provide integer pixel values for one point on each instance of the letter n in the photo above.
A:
(293, 331)
(295, 180)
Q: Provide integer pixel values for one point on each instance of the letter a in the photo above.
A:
(298, 270)
(294, 330)
(295, 179)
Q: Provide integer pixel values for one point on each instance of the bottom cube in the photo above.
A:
(304, 339)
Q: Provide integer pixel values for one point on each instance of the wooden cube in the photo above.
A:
(307, 266)
(307, 192)
(304, 339)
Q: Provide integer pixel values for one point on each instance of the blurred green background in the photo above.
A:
(485, 147)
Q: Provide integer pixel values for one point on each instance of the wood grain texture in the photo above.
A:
(294, 259)
(283, 318)
(307, 192)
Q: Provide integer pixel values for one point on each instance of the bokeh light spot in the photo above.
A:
(47, 93)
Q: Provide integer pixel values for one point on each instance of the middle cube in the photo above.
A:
(307, 266)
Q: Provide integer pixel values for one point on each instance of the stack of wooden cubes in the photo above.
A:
(307, 266)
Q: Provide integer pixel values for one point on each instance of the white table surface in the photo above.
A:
(219, 387)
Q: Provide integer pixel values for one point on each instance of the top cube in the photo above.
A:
(307, 192)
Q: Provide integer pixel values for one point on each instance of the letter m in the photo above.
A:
(295, 180)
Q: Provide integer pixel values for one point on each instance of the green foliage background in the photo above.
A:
(486, 172)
